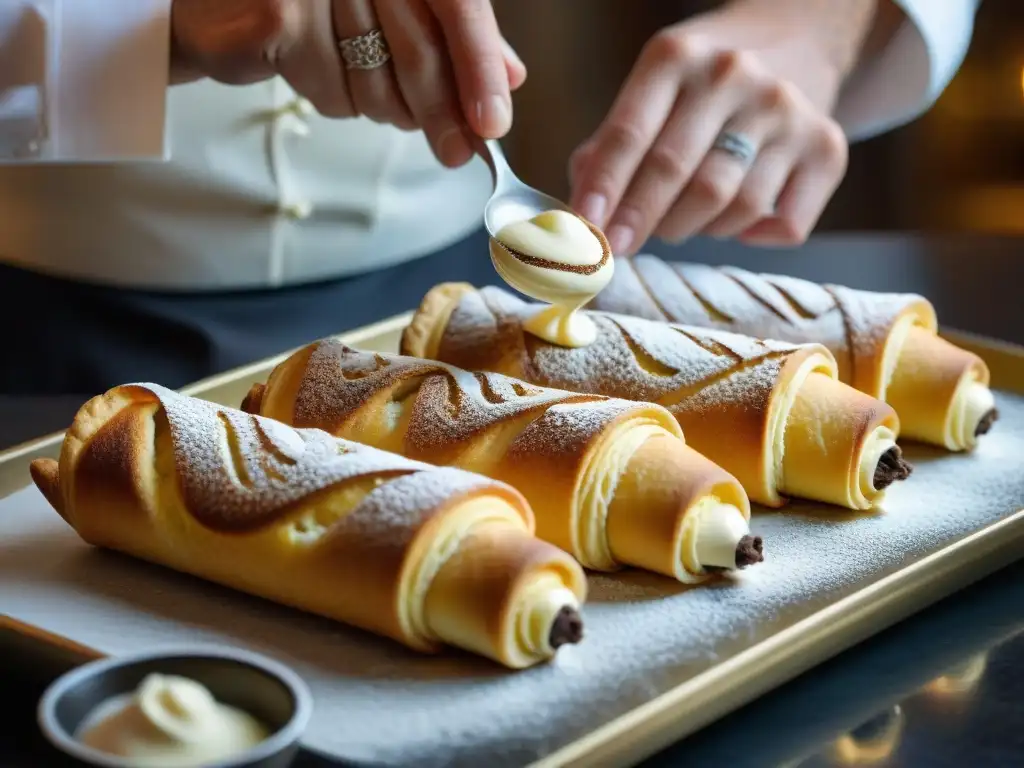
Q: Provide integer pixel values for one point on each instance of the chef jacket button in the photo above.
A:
(298, 210)
(299, 107)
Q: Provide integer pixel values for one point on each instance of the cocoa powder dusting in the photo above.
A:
(851, 323)
(632, 358)
(238, 472)
(451, 407)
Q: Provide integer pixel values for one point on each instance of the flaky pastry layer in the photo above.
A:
(568, 453)
(425, 555)
(733, 395)
(885, 344)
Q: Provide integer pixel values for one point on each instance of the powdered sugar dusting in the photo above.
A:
(451, 406)
(766, 306)
(568, 430)
(869, 317)
(240, 472)
(379, 703)
(632, 357)
(393, 513)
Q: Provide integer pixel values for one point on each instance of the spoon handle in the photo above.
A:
(490, 150)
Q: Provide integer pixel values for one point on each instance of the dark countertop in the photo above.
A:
(940, 688)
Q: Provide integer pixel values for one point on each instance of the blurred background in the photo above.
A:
(958, 168)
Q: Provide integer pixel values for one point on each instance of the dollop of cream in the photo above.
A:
(879, 441)
(170, 721)
(557, 258)
(544, 599)
(972, 401)
(713, 535)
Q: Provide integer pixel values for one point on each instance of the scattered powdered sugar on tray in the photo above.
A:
(377, 702)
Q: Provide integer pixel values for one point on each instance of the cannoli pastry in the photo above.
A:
(771, 413)
(424, 555)
(886, 344)
(610, 481)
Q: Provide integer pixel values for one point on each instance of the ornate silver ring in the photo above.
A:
(736, 144)
(367, 51)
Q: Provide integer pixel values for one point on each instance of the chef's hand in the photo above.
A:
(451, 73)
(760, 76)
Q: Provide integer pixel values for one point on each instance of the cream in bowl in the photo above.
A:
(559, 258)
(191, 709)
(170, 720)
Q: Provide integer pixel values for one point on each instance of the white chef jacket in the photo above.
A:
(261, 191)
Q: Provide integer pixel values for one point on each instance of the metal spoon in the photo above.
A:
(512, 200)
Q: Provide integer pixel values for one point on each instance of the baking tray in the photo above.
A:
(641, 721)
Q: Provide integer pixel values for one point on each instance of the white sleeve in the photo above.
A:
(83, 80)
(910, 74)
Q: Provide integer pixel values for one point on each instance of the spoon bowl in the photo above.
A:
(512, 200)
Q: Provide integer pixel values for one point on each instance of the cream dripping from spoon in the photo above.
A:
(561, 259)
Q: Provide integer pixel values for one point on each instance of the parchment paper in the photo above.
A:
(376, 702)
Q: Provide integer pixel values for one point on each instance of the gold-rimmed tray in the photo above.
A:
(659, 662)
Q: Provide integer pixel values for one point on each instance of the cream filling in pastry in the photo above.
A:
(972, 402)
(557, 258)
(544, 599)
(657, 527)
(170, 721)
(880, 440)
(712, 533)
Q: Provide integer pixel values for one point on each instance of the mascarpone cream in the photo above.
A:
(558, 258)
(170, 721)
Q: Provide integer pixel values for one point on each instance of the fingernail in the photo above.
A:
(495, 115)
(510, 53)
(593, 208)
(620, 237)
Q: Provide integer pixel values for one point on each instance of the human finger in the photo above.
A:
(425, 77)
(634, 121)
(310, 62)
(807, 191)
(371, 78)
(474, 46)
(579, 160)
(684, 175)
(756, 198)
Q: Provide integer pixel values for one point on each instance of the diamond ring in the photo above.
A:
(368, 51)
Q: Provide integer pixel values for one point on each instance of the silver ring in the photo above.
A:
(736, 144)
(367, 51)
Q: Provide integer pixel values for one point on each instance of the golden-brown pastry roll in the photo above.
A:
(610, 481)
(771, 413)
(886, 344)
(424, 555)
